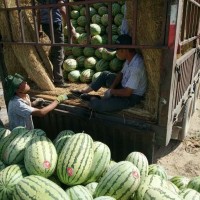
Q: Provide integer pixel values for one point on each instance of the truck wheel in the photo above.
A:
(196, 97)
(187, 114)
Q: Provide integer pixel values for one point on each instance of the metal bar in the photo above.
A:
(51, 26)
(188, 40)
(185, 57)
(21, 21)
(135, 4)
(184, 20)
(188, 21)
(88, 24)
(194, 2)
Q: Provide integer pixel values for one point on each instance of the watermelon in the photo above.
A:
(80, 29)
(194, 183)
(96, 40)
(2, 166)
(123, 9)
(116, 64)
(114, 39)
(38, 188)
(75, 159)
(9, 177)
(93, 11)
(69, 64)
(77, 7)
(120, 182)
(104, 19)
(74, 22)
(101, 160)
(40, 157)
(98, 5)
(95, 76)
(4, 132)
(104, 39)
(79, 192)
(160, 193)
(98, 52)
(67, 50)
(74, 76)
(38, 132)
(118, 19)
(140, 161)
(152, 180)
(158, 170)
(77, 51)
(74, 14)
(189, 194)
(95, 29)
(90, 63)
(96, 19)
(114, 29)
(14, 153)
(7, 140)
(82, 21)
(80, 60)
(86, 75)
(102, 65)
(108, 55)
(103, 29)
(180, 181)
(82, 39)
(105, 198)
(88, 51)
(83, 11)
(102, 10)
(61, 139)
(116, 9)
(91, 187)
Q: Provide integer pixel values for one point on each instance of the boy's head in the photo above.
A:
(12, 83)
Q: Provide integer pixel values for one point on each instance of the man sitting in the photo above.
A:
(126, 89)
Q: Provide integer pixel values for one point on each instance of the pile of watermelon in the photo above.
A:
(75, 167)
(82, 63)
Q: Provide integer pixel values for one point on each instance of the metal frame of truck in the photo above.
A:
(179, 88)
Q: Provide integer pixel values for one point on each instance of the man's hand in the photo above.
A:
(61, 98)
(38, 102)
(107, 94)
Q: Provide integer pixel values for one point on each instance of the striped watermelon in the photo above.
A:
(7, 140)
(74, 76)
(91, 187)
(14, 153)
(160, 194)
(86, 75)
(88, 51)
(40, 157)
(189, 194)
(4, 132)
(2, 166)
(79, 192)
(100, 161)
(120, 182)
(158, 170)
(140, 161)
(150, 181)
(104, 198)
(75, 159)
(180, 181)
(90, 62)
(38, 188)
(194, 183)
(77, 51)
(172, 187)
(61, 139)
(70, 64)
(38, 132)
(102, 65)
(9, 177)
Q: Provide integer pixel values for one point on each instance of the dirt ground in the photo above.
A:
(178, 158)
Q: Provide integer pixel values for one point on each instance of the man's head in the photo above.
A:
(13, 84)
(123, 52)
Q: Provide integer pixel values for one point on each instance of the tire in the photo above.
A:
(187, 114)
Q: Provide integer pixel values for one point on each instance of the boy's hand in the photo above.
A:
(61, 98)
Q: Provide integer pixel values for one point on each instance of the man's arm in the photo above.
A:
(117, 80)
(65, 16)
(43, 111)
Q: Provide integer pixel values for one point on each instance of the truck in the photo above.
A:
(166, 32)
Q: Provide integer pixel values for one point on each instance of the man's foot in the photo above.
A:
(61, 85)
(89, 97)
